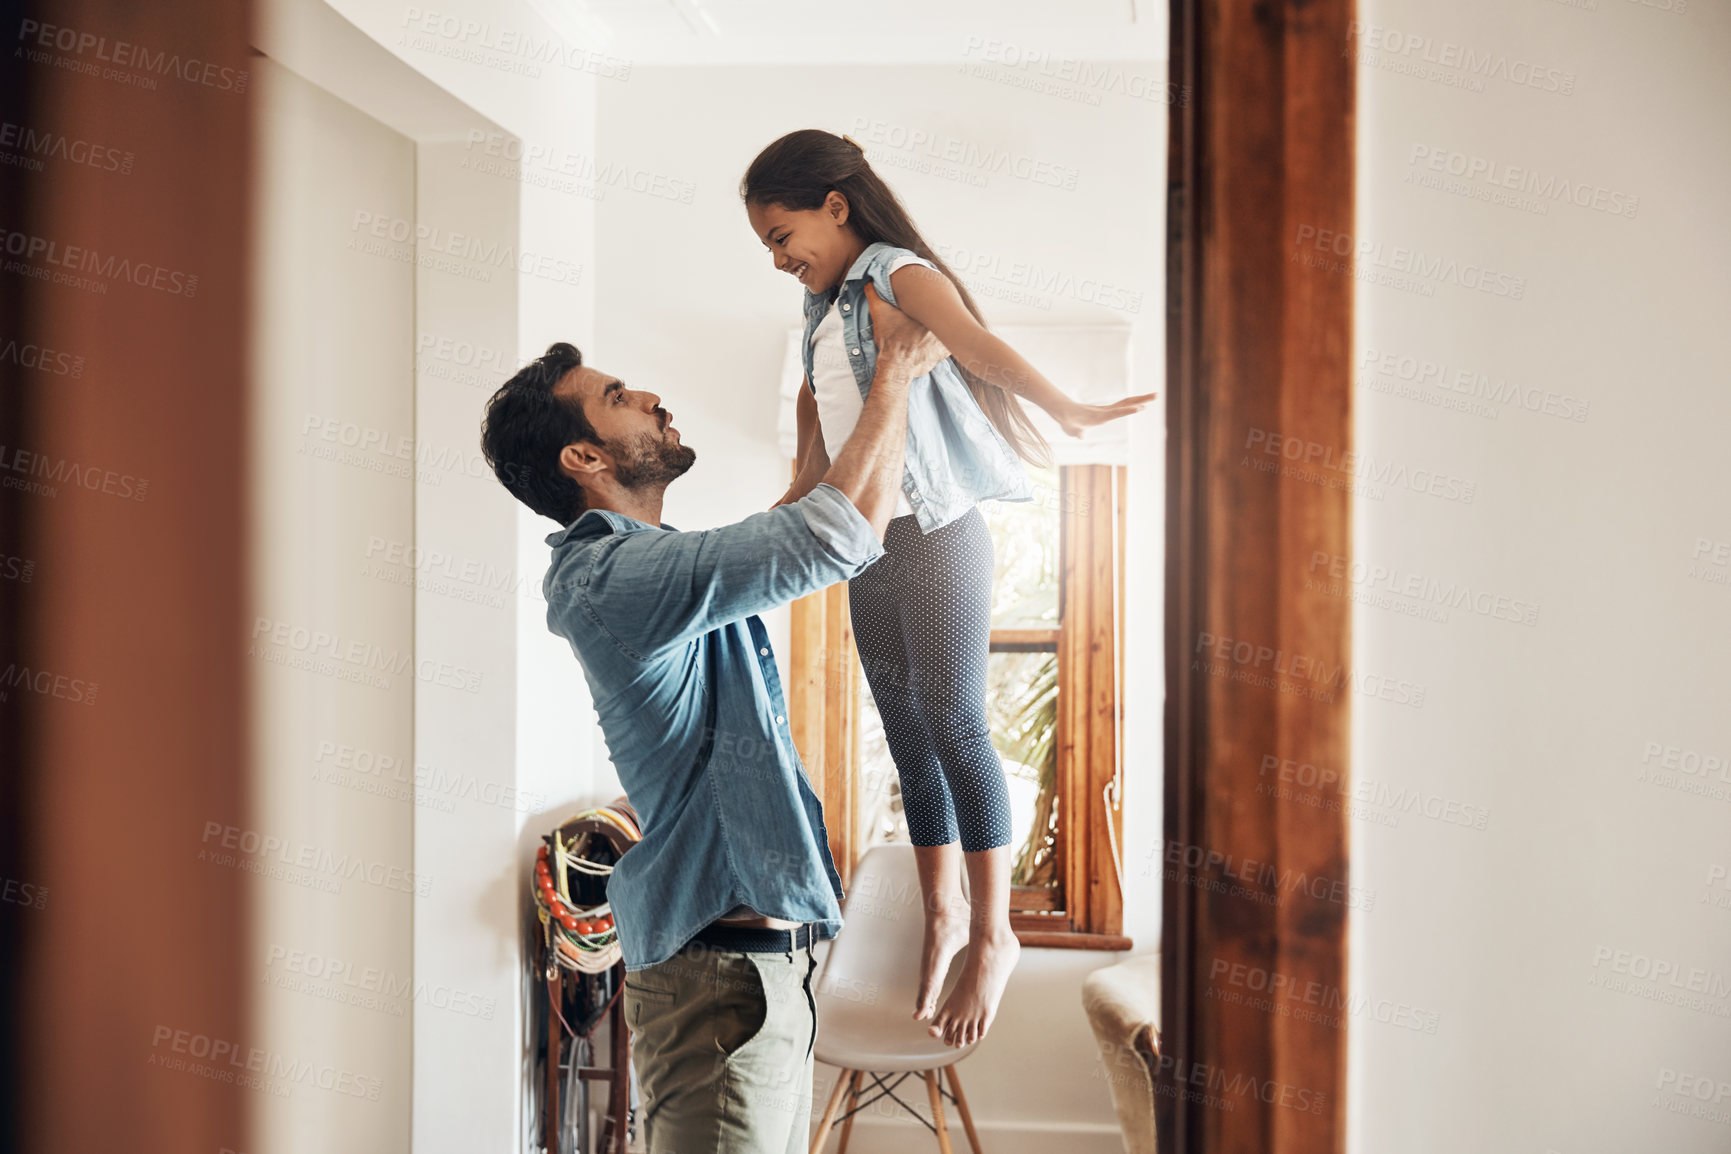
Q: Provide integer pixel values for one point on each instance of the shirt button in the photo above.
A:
(765, 652)
(856, 352)
(845, 308)
(779, 720)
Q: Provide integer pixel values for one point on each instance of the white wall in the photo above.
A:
(689, 306)
(538, 85)
(1531, 943)
(487, 763)
(471, 798)
(333, 723)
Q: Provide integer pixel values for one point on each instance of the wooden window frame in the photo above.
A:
(823, 693)
(823, 682)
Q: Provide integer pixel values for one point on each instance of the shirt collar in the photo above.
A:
(858, 269)
(598, 523)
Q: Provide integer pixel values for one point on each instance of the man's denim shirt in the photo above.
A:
(649, 612)
(956, 457)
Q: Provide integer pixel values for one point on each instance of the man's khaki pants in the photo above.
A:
(722, 1043)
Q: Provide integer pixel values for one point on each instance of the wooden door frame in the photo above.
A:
(133, 732)
(1258, 353)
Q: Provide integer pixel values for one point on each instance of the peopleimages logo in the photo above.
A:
(1368, 580)
(367, 987)
(497, 46)
(1466, 386)
(1307, 1000)
(1304, 456)
(46, 683)
(1467, 63)
(33, 144)
(1261, 881)
(523, 160)
(455, 252)
(34, 471)
(37, 39)
(42, 360)
(81, 259)
(987, 159)
(352, 659)
(1065, 77)
(1396, 800)
(223, 1060)
(1662, 971)
(255, 852)
(972, 263)
(1398, 265)
(1543, 187)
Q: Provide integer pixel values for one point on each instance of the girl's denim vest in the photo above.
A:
(956, 456)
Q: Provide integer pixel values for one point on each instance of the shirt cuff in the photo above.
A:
(839, 526)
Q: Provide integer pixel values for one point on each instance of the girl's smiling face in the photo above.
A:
(816, 246)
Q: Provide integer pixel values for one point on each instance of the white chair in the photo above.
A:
(865, 1000)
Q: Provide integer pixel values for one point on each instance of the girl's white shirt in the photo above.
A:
(838, 401)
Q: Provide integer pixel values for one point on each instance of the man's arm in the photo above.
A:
(651, 591)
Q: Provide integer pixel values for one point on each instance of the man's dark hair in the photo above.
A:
(526, 428)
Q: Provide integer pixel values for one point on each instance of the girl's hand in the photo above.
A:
(1078, 418)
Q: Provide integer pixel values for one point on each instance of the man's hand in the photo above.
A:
(906, 348)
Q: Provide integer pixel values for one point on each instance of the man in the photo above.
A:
(719, 904)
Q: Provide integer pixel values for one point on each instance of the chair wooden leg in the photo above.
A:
(852, 1101)
(829, 1111)
(938, 1112)
(962, 1109)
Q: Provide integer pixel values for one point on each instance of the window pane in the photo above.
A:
(880, 795)
(1022, 703)
(1025, 547)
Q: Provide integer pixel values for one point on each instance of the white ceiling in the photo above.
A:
(662, 32)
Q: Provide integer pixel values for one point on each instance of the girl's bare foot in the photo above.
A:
(968, 1012)
(946, 933)
(947, 912)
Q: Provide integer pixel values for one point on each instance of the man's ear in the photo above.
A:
(581, 460)
(836, 205)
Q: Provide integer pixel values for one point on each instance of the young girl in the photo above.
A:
(921, 613)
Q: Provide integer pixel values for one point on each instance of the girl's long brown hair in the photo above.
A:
(802, 168)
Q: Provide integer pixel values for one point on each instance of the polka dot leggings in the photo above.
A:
(922, 617)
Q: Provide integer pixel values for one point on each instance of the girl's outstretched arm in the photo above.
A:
(930, 298)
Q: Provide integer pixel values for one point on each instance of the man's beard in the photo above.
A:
(649, 460)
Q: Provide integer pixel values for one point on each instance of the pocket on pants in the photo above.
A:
(741, 1004)
(644, 1000)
